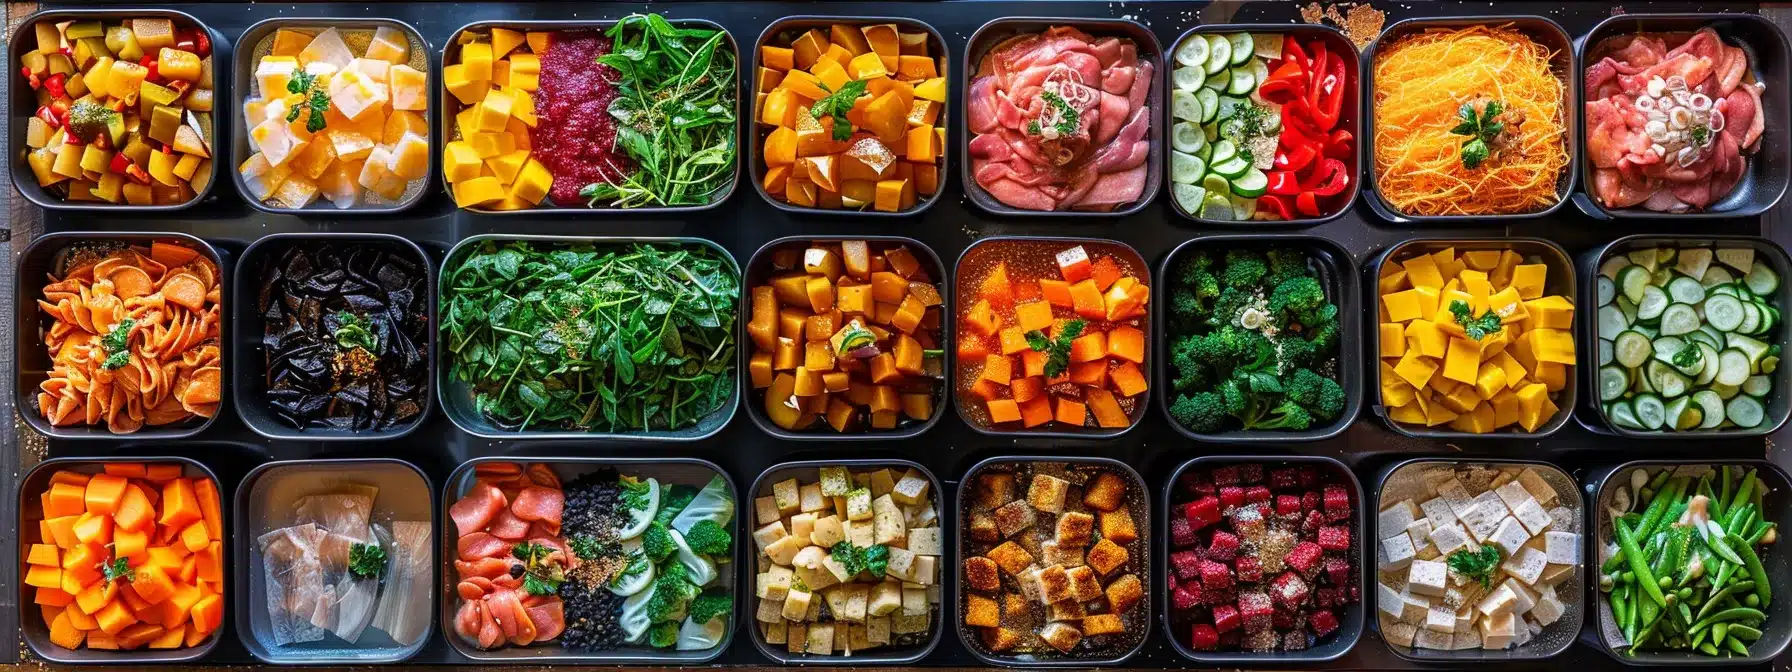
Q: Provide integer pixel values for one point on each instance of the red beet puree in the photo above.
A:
(576, 136)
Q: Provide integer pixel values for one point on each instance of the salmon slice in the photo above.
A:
(469, 590)
(538, 503)
(489, 568)
(544, 476)
(467, 620)
(549, 617)
(508, 527)
(481, 545)
(490, 633)
(474, 511)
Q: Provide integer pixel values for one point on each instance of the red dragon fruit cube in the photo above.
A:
(1323, 598)
(1256, 494)
(1251, 473)
(1219, 596)
(1182, 534)
(1255, 608)
(1308, 476)
(1288, 620)
(1337, 571)
(1288, 590)
(1304, 558)
(1202, 512)
(1334, 538)
(1337, 502)
(1186, 563)
(1324, 623)
(1224, 476)
(1215, 576)
(1223, 546)
(1185, 596)
(1287, 505)
(1248, 569)
(1311, 524)
(1309, 501)
(1204, 638)
(1231, 497)
(1294, 641)
(1225, 617)
(1283, 478)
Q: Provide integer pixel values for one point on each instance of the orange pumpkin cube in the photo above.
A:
(998, 369)
(1035, 412)
(1106, 409)
(1071, 412)
(1128, 379)
(1033, 315)
(1089, 347)
(1014, 340)
(982, 319)
(1003, 410)
(1127, 343)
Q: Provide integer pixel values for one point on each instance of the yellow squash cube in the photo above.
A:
(1464, 360)
(504, 41)
(1411, 413)
(1515, 371)
(1505, 409)
(1551, 312)
(1415, 369)
(1490, 380)
(1507, 304)
(1438, 414)
(459, 161)
(1479, 420)
(477, 58)
(1422, 272)
(410, 88)
(1530, 404)
(1427, 339)
(410, 157)
(478, 191)
(1389, 283)
(1403, 306)
(1528, 279)
(932, 89)
(494, 112)
(507, 166)
(1393, 340)
(468, 90)
(522, 106)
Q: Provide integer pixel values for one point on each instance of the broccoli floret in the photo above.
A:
(1296, 352)
(1203, 412)
(663, 635)
(1286, 415)
(1285, 264)
(1226, 308)
(1237, 402)
(709, 538)
(1190, 268)
(1325, 337)
(1321, 396)
(657, 542)
(1255, 351)
(1296, 297)
(1206, 285)
(672, 593)
(87, 120)
(709, 605)
(1244, 273)
(1331, 401)
(1185, 306)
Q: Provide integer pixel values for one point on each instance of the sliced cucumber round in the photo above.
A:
(1724, 312)
(1232, 168)
(1186, 168)
(1242, 47)
(1745, 411)
(1611, 321)
(1632, 349)
(1251, 184)
(1613, 381)
(1186, 137)
(1219, 54)
(1679, 319)
(1243, 82)
(1606, 289)
(1623, 414)
(1185, 106)
(1193, 51)
(1678, 414)
(1711, 406)
(1652, 304)
(1188, 196)
(1761, 280)
(1732, 367)
(1631, 281)
(1651, 413)
(1716, 275)
(1188, 78)
(1223, 151)
(1210, 104)
(1686, 290)
(1757, 386)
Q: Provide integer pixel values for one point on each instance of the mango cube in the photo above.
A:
(532, 183)
(273, 73)
(410, 88)
(389, 45)
(460, 161)
(376, 175)
(477, 57)
(507, 166)
(410, 157)
(296, 192)
(494, 111)
(466, 89)
(354, 93)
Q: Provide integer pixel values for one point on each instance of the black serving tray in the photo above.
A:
(745, 223)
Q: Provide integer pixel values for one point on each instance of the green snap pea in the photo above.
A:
(1763, 588)
(1744, 493)
(1723, 495)
(1735, 614)
(1634, 555)
(1744, 632)
(1753, 601)
(1708, 649)
(1721, 546)
(1718, 632)
(1717, 597)
(1737, 646)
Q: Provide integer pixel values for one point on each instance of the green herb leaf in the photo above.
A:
(837, 104)
(1057, 351)
(1473, 153)
(877, 559)
(301, 82)
(1700, 134)
(367, 561)
(1481, 130)
(1687, 357)
(1476, 328)
(1066, 117)
(117, 345)
(536, 585)
(1478, 566)
(586, 547)
(635, 495)
(117, 569)
(352, 332)
(637, 563)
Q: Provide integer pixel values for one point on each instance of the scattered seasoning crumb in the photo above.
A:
(1359, 21)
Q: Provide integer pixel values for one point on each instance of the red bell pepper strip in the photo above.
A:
(120, 163)
(1291, 52)
(1307, 204)
(49, 116)
(1283, 182)
(1275, 205)
(1294, 155)
(1321, 61)
(1330, 91)
(203, 42)
(155, 75)
(1339, 145)
(1288, 80)
(1329, 179)
(56, 85)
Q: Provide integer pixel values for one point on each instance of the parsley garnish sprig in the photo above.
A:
(317, 101)
(1480, 130)
(837, 104)
(1057, 350)
(1476, 328)
(1477, 565)
(117, 344)
(367, 561)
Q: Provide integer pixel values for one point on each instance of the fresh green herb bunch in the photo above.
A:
(675, 113)
(1481, 130)
(836, 104)
(1057, 350)
(1477, 328)
(117, 344)
(624, 338)
(367, 561)
(1250, 335)
(316, 104)
(1478, 566)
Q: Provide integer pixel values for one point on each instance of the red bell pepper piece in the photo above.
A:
(1294, 155)
(1329, 179)
(154, 76)
(49, 116)
(56, 85)
(120, 163)
(184, 40)
(1339, 145)
(1321, 59)
(1330, 89)
(202, 43)
(1283, 182)
(1274, 205)
(1307, 204)
(1291, 52)
(137, 174)
(1287, 81)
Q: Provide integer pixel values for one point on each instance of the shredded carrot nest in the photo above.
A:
(1422, 80)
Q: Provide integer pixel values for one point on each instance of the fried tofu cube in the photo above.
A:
(1011, 557)
(912, 488)
(1075, 529)
(1117, 525)
(826, 531)
(1014, 517)
(1103, 624)
(1067, 610)
(1000, 639)
(1106, 556)
(914, 601)
(835, 481)
(774, 583)
(1054, 583)
(765, 509)
(1046, 493)
(1124, 593)
(886, 598)
(1084, 584)
(809, 498)
(981, 573)
(993, 490)
(1106, 493)
(1062, 636)
(982, 612)
(784, 550)
(925, 541)
(821, 639)
(983, 528)
(769, 534)
(786, 494)
(796, 604)
(888, 526)
(858, 504)
(1068, 555)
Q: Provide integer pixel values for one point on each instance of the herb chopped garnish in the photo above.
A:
(1477, 565)
(837, 104)
(635, 495)
(1057, 350)
(1687, 357)
(1481, 131)
(117, 344)
(1064, 117)
(874, 558)
(117, 568)
(352, 332)
(317, 102)
(1476, 328)
(367, 561)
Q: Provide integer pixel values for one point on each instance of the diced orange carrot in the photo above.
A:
(1056, 292)
(178, 606)
(170, 639)
(209, 506)
(208, 614)
(195, 537)
(1033, 315)
(887, 287)
(103, 492)
(115, 617)
(1032, 363)
(126, 469)
(127, 592)
(1128, 379)
(134, 511)
(170, 254)
(130, 544)
(1089, 347)
(137, 635)
(1026, 389)
(101, 641)
(1014, 341)
(1035, 412)
(1106, 409)
(983, 319)
(65, 499)
(82, 620)
(1105, 273)
(152, 584)
(64, 634)
(180, 505)
(998, 369)
(52, 597)
(902, 261)
(44, 554)
(987, 389)
(92, 529)
(1071, 412)
(1003, 410)
(1073, 264)
(996, 289)
(1086, 299)
(1127, 343)
(62, 530)
(883, 369)
(70, 477)
(972, 348)
(41, 576)
(1125, 300)
(195, 636)
(162, 471)
(1090, 373)
(189, 568)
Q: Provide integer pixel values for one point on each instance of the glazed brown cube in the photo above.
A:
(1117, 526)
(982, 574)
(982, 612)
(1103, 624)
(1011, 557)
(1106, 493)
(1124, 593)
(1106, 556)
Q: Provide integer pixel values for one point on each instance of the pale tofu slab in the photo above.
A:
(1526, 566)
(1397, 517)
(1427, 577)
(1531, 515)
(1509, 536)
(1438, 511)
(1396, 552)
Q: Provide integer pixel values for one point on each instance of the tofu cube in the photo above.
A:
(786, 494)
(1499, 601)
(835, 481)
(925, 541)
(1465, 638)
(1432, 639)
(912, 488)
(802, 525)
(1046, 493)
(1438, 512)
(906, 624)
(1523, 597)
(1509, 536)
(776, 632)
(769, 534)
(796, 638)
(1482, 521)
(920, 516)
(836, 569)
(1531, 515)
(817, 578)
(826, 531)
(1414, 609)
(765, 509)
(881, 482)
(1512, 493)
(821, 639)
(783, 551)
(811, 497)
(1498, 631)
(1054, 553)
(902, 563)
(1084, 584)
(1397, 517)
(1526, 566)
(1420, 533)
(1539, 488)
(796, 604)
(774, 583)
(886, 598)
(1554, 573)
(1548, 609)
(1427, 577)
(1399, 634)
(993, 490)
(1454, 494)
(1440, 618)
(1075, 529)
(1396, 552)
(1030, 584)
(926, 570)
(1013, 517)
(1448, 538)
(877, 630)
(914, 602)
(887, 525)
(859, 532)
(1389, 601)
(770, 611)
(854, 603)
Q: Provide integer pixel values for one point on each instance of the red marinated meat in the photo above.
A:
(1060, 121)
(508, 527)
(489, 568)
(538, 503)
(475, 510)
(478, 545)
(1660, 145)
(549, 616)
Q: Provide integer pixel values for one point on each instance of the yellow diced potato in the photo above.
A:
(507, 166)
(161, 167)
(1411, 413)
(1415, 369)
(1403, 306)
(1422, 272)
(1393, 340)
(1425, 337)
(296, 192)
(183, 168)
(460, 162)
